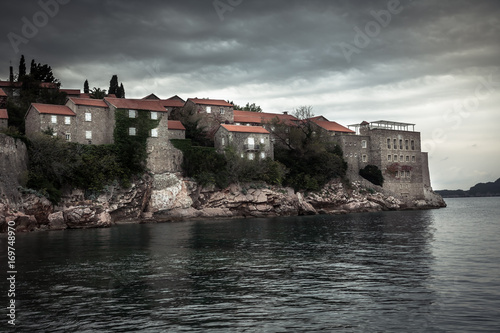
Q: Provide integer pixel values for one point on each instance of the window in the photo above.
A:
(397, 174)
(209, 109)
(388, 143)
(154, 115)
(154, 133)
(395, 144)
(132, 113)
(406, 145)
(363, 144)
(53, 119)
(413, 158)
(262, 140)
(412, 144)
(67, 120)
(389, 157)
(262, 155)
(355, 155)
(88, 135)
(408, 174)
(251, 156)
(407, 158)
(223, 141)
(400, 143)
(365, 158)
(54, 134)
(401, 158)
(222, 111)
(395, 158)
(131, 131)
(68, 137)
(251, 143)
(88, 116)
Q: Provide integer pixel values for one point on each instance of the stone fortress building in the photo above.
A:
(394, 147)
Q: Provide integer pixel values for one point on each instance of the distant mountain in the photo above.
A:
(491, 189)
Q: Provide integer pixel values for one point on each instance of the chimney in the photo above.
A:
(285, 113)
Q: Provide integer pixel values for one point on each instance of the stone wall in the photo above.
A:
(13, 169)
(239, 140)
(101, 126)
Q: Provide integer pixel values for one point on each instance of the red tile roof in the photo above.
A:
(53, 109)
(174, 103)
(216, 102)
(245, 129)
(2, 93)
(151, 96)
(84, 95)
(175, 125)
(332, 126)
(261, 117)
(89, 102)
(10, 84)
(4, 114)
(136, 104)
(71, 91)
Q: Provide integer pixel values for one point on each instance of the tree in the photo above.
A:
(113, 85)
(98, 93)
(86, 89)
(22, 68)
(11, 74)
(248, 107)
(121, 91)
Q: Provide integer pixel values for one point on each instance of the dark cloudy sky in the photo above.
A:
(432, 63)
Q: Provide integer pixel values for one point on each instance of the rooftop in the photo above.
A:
(245, 129)
(136, 104)
(260, 117)
(4, 114)
(89, 102)
(386, 125)
(175, 125)
(62, 110)
(2, 93)
(206, 101)
(332, 126)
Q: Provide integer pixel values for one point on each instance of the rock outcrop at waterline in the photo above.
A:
(169, 197)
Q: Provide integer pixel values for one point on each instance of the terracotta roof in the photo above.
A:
(89, 102)
(151, 96)
(4, 114)
(2, 93)
(10, 84)
(175, 125)
(71, 91)
(216, 102)
(53, 109)
(84, 95)
(136, 104)
(245, 129)
(332, 126)
(260, 117)
(50, 85)
(174, 103)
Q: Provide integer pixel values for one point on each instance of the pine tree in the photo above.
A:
(22, 68)
(86, 89)
(113, 85)
(11, 75)
(32, 67)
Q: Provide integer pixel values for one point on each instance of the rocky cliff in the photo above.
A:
(169, 197)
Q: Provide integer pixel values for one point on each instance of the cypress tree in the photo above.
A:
(113, 85)
(121, 91)
(22, 68)
(11, 75)
(86, 89)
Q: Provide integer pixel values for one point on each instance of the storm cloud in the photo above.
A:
(432, 63)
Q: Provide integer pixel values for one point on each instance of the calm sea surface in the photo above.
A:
(412, 271)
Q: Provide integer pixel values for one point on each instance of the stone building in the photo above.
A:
(395, 148)
(176, 130)
(4, 119)
(162, 156)
(252, 142)
(212, 111)
(58, 118)
(94, 121)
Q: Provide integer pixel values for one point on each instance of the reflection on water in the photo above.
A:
(390, 271)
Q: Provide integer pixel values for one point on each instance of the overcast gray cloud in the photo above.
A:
(418, 65)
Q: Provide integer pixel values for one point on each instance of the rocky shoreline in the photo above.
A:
(169, 197)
